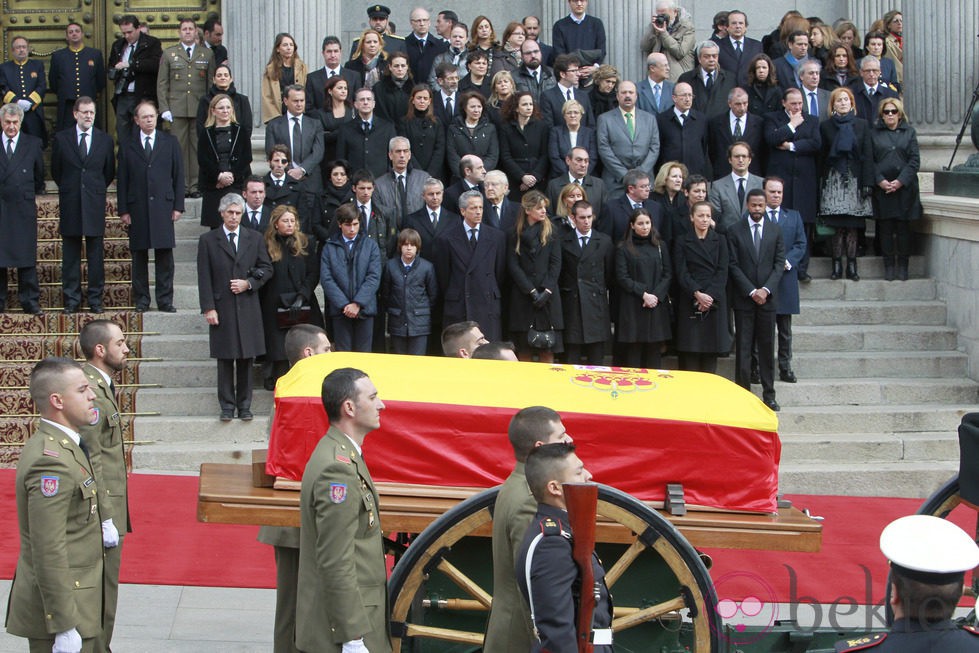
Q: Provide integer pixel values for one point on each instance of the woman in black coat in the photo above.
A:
(224, 83)
(839, 69)
(523, 145)
(471, 133)
(534, 264)
(700, 263)
(295, 273)
(391, 93)
(424, 131)
(224, 155)
(896, 202)
(337, 109)
(764, 95)
(643, 274)
(559, 139)
(336, 191)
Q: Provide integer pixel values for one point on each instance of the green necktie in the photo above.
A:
(630, 125)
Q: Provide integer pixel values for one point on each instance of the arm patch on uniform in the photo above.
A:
(49, 486)
(338, 492)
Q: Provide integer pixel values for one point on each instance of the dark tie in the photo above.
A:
(10, 149)
(577, 181)
(82, 146)
(737, 128)
(584, 242)
(435, 219)
(297, 140)
(710, 82)
(84, 448)
(278, 183)
(255, 219)
(402, 197)
(773, 216)
(190, 52)
(813, 106)
(332, 74)
(363, 218)
(448, 106)
(737, 48)
(231, 239)
(112, 389)
(472, 239)
(757, 237)
(366, 126)
(741, 191)
(683, 119)
(569, 94)
(350, 246)
(495, 219)
(147, 147)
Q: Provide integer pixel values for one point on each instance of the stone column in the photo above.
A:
(863, 13)
(250, 28)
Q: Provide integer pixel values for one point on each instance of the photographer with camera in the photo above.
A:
(671, 32)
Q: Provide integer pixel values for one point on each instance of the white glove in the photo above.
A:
(110, 534)
(25, 104)
(355, 646)
(67, 642)
(166, 115)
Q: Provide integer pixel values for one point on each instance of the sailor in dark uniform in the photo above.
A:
(929, 557)
(76, 71)
(23, 81)
(546, 572)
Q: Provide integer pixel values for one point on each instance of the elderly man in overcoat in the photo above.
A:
(21, 177)
(151, 198)
(232, 264)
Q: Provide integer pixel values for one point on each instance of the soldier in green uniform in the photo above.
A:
(56, 595)
(104, 346)
(509, 627)
(342, 603)
(186, 70)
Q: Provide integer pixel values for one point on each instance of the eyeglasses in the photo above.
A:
(890, 112)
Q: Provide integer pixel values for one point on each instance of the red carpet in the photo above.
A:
(170, 547)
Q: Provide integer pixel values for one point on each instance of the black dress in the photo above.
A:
(331, 127)
(222, 149)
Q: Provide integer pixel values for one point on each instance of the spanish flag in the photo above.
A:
(445, 423)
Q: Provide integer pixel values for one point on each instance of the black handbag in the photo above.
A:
(286, 316)
(541, 338)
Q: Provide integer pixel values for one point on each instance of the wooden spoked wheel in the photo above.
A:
(440, 590)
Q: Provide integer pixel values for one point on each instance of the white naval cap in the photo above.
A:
(928, 549)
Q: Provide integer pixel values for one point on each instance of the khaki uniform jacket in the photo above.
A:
(182, 81)
(510, 628)
(58, 582)
(342, 576)
(105, 447)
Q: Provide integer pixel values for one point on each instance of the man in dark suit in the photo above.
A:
(566, 68)
(580, 33)
(757, 261)
(729, 194)
(532, 25)
(736, 50)
(787, 295)
(213, 39)
(134, 62)
(21, 178)
(499, 212)
(587, 269)
(709, 82)
(232, 264)
(23, 82)
(151, 198)
(304, 137)
(815, 100)
(614, 220)
(364, 140)
(794, 143)
(374, 222)
(446, 97)
(280, 188)
(332, 66)
(473, 174)
(869, 90)
(578, 162)
(683, 133)
(257, 212)
(399, 190)
(627, 138)
(83, 165)
(432, 220)
(422, 47)
(76, 71)
(470, 262)
(532, 75)
(786, 65)
(736, 125)
(656, 92)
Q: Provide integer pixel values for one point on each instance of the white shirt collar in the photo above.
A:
(735, 177)
(356, 446)
(227, 233)
(64, 429)
(581, 235)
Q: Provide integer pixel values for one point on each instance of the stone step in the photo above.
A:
(869, 290)
(186, 249)
(182, 373)
(177, 347)
(877, 391)
(184, 322)
(195, 402)
(902, 479)
(202, 431)
(898, 418)
(869, 267)
(873, 337)
(188, 457)
(859, 364)
(832, 313)
(869, 448)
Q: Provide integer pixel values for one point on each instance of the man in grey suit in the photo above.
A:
(787, 296)
(656, 92)
(399, 190)
(304, 137)
(710, 83)
(729, 194)
(815, 100)
(627, 138)
(578, 163)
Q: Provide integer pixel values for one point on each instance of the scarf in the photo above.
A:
(844, 143)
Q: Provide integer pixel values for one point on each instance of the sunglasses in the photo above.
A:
(889, 112)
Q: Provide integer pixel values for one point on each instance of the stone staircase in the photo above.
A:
(881, 389)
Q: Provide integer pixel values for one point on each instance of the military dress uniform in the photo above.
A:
(58, 582)
(911, 636)
(342, 575)
(75, 74)
(549, 581)
(103, 437)
(180, 84)
(26, 81)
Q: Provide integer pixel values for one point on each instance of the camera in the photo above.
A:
(661, 19)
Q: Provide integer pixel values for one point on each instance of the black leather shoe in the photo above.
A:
(33, 309)
(269, 384)
(169, 308)
(227, 415)
(96, 308)
(71, 308)
(245, 415)
(755, 377)
(771, 403)
(805, 278)
(788, 376)
(141, 309)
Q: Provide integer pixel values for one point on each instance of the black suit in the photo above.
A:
(471, 280)
(686, 143)
(264, 216)
(421, 221)
(82, 184)
(720, 137)
(594, 189)
(506, 220)
(552, 101)
(144, 64)
(712, 103)
(586, 274)
(366, 151)
(21, 178)
(287, 193)
(450, 198)
(309, 158)
(615, 218)
(421, 60)
(316, 82)
(754, 323)
(867, 105)
(728, 59)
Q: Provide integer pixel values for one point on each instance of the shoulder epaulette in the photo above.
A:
(860, 643)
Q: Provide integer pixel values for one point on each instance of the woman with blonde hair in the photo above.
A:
(482, 37)
(370, 59)
(224, 157)
(283, 69)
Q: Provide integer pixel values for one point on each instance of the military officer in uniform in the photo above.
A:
(509, 627)
(342, 603)
(377, 16)
(23, 82)
(103, 345)
(929, 557)
(186, 70)
(56, 595)
(545, 570)
(76, 71)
